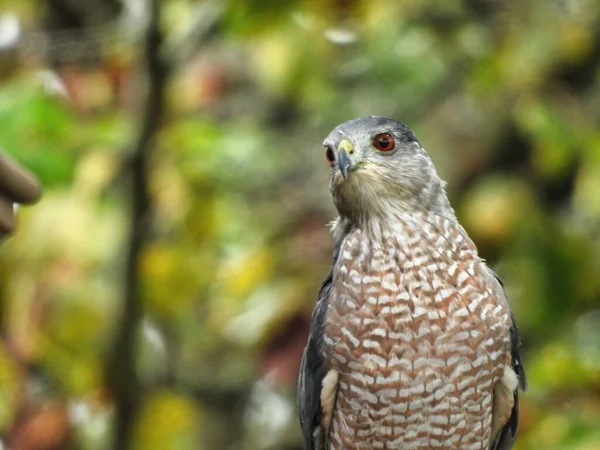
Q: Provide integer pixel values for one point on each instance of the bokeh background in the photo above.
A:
(159, 295)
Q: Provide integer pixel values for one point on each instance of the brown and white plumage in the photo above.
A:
(412, 344)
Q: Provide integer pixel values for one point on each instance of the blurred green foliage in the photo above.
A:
(505, 96)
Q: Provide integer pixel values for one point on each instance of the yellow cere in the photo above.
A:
(346, 145)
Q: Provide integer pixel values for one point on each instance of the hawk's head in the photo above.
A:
(378, 167)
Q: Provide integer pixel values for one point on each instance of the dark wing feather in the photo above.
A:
(506, 436)
(312, 372)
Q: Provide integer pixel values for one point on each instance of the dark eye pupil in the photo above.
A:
(329, 155)
(384, 142)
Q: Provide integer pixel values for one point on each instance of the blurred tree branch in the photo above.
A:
(122, 377)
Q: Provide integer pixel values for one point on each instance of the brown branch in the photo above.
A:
(121, 366)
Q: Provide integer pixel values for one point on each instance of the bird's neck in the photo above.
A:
(391, 213)
(364, 201)
(380, 227)
(396, 223)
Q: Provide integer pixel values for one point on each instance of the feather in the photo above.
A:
(312, 373)
(505, 438)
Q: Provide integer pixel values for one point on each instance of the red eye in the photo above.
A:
(383, 142)
(329, 155)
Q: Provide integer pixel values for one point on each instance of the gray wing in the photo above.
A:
(312, 372)
(506, 436)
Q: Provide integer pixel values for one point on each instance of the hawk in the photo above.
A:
(412, 342)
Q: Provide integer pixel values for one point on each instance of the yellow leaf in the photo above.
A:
(168, 422)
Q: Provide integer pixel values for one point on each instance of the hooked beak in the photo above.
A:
(344, 162)
(345, 149)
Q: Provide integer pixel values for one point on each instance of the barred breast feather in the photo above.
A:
(416, 338)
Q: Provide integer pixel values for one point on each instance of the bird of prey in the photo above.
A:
(412, 342)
